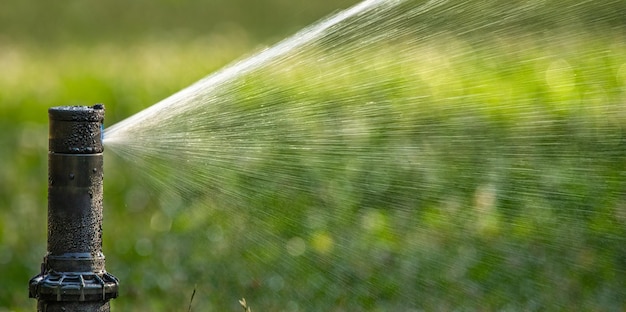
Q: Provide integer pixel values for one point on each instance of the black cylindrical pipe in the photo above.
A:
(73, 275)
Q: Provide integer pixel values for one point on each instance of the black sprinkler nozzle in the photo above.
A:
(73, 275)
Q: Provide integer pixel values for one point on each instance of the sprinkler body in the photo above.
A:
(73, 275)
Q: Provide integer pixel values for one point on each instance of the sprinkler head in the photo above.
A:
(73, 275)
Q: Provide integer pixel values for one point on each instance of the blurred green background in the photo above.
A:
(130, 55)
(81, 22)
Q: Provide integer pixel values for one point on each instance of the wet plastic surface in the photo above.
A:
(73, 275)
(76, 129)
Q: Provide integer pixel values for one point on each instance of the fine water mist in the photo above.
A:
(401, 155)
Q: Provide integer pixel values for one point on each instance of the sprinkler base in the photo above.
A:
(72, 286)
(73, 306)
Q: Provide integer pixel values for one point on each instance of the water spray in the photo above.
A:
(73, 275)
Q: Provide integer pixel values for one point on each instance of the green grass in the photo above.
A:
(523, 205)
(126, 79)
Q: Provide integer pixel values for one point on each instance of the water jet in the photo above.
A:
(73, 275)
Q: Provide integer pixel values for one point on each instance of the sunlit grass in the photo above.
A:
(543, 176)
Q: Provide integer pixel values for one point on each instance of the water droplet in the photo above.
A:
(296, 246)
(143, 247)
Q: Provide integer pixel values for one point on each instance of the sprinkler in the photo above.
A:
(73, 276)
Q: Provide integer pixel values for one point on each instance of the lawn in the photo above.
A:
(495, 181)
